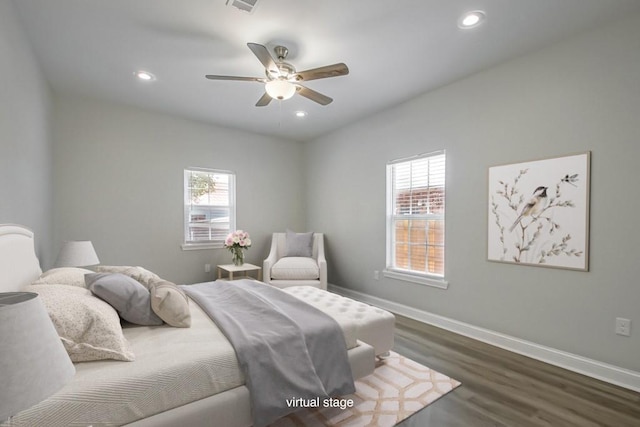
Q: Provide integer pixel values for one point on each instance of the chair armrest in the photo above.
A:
(322, 264)
(270, 261)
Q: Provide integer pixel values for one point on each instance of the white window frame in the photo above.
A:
(391, 270)
(215, 243)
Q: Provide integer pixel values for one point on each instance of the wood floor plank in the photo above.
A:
(501, 388)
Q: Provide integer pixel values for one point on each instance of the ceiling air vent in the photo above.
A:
(244, 5)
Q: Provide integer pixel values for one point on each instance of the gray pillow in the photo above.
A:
(131, 299)
(299, 244)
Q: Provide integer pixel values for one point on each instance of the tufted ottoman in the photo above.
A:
(373, 325)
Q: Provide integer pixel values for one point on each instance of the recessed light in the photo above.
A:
(471, 19)
(301, 113)
(144, 75)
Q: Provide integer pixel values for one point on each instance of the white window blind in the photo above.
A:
(209, 207)
(415, 215)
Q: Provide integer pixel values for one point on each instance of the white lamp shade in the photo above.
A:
(33, 361)
(280, 89)
(77, 254)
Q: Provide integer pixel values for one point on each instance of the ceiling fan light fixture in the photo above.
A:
(280, 89)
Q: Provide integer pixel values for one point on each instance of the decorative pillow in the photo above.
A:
(299, 244)
(112, 268)
(130, 299)
(295, 268)
(71, 276)
(142, 275)
(88, 327)
(170, 303)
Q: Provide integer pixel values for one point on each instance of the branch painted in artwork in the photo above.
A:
(508, 192)
(494, 210)
(540, 229)
(521, 247)
(561, 248)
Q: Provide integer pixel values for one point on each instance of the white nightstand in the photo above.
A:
(244, 269)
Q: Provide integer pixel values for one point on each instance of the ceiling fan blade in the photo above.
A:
(264, 57)
(264, 101)
(313, 95)
(334, 70)
(244, 79)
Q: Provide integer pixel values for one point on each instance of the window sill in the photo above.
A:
(200, 246)
(414, 278)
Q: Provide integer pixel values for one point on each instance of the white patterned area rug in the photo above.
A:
(398, 388)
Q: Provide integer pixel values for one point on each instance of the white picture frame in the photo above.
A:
(538, 212)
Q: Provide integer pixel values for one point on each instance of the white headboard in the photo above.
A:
(19, 265)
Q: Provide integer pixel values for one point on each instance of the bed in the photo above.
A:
(186, 376)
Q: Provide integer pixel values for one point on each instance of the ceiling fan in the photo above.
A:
(282, 80)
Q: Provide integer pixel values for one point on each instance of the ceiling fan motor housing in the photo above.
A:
(286, 71)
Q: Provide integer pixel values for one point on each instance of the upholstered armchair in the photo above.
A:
(292, 263)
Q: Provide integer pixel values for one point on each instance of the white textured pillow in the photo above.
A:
(112, 268)
(296, 268)
(142, 275)
(71, 276)
(88, 327)
(170, 303)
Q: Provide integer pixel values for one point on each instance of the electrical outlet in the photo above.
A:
(623, 327)
(207, 268)
(376, 275)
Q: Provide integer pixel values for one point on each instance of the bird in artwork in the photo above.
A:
(533, 206)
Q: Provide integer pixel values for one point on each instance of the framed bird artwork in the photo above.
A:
(538, 212)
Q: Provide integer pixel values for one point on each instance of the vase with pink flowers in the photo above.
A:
(237, 241)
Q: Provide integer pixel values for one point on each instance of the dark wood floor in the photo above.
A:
(500, 388)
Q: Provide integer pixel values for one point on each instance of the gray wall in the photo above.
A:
(119, 180)
(583, 94)
(25, 140)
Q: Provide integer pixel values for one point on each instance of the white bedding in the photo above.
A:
(173, 367)
(373, 325)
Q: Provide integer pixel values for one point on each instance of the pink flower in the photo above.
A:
(237, 239)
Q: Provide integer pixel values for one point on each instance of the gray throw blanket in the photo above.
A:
(287, 349)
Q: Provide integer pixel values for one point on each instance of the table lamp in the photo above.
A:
(77, 254)
(33, 362)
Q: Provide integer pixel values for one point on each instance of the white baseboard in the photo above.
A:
(612, 374)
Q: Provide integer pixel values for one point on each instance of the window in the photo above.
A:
(415, 219)
(209, 207)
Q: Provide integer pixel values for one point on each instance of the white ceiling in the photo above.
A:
(395, 50)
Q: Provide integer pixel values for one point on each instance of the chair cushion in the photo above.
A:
(299, 244)
(295, 268)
